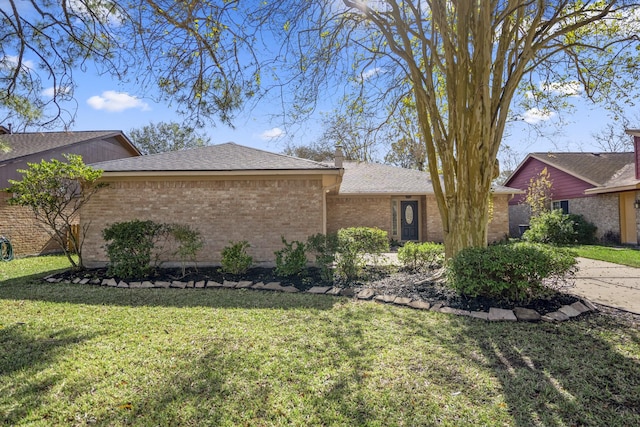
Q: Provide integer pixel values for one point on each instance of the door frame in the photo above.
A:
(396, 207)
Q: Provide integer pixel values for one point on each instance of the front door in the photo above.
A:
(628, 228)
(409, 220)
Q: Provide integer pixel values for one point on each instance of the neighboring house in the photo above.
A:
(17, 223)
(232, 193)
(602, 187)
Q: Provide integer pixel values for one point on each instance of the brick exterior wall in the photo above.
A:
(27, 236)
(358, 211)
(223, 210)
(375, 211)
(498, 227)
(602, 210)
(434, 223)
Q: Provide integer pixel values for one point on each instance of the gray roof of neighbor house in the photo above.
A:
(226, 157)
(374, 178)
(595, 168)
(26, 144)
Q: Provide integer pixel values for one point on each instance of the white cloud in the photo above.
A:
(536, 115)
(273, 133)
(114, 102)
(51, 91)
(102, 11)
(11, 62)
(572, 88)
(366, 75)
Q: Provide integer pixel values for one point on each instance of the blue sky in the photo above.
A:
(107, 104)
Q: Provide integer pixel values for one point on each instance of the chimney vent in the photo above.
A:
(339, 157)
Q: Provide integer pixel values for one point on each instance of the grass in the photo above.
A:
(623, 256)
(78, 354)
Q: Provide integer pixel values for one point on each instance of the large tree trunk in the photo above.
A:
(465, 225)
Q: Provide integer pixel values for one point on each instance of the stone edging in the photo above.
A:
(493, 315)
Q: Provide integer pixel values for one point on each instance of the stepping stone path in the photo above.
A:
(518, 314)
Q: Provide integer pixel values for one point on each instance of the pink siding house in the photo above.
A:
(588, 184)
(17, 223)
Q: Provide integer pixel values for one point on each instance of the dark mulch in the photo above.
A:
(425, 286)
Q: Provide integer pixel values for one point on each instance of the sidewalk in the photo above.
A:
(608, 284)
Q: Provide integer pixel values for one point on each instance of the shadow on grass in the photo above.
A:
(562, 374)
(324, 379)
(38, 290)
(26, 355)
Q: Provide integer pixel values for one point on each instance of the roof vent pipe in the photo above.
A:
(339, 157)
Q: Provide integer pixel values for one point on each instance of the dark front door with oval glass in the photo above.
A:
(409, 220)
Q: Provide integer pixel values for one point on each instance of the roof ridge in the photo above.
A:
(279, 154)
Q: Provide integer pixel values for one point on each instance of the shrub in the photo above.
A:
(353, 244)
(417, 256)
(611, 238)
(585, 231)
(516, 272)
(551, 227)
(558, 228)
(130, 246)
(367, 240)
(235, 259)
(325, 247)
(189, 243)
(291, 261)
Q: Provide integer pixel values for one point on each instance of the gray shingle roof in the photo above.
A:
(222, 157)
(25, 144)
(373, 178)
(595, 168)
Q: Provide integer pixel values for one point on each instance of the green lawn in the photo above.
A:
(80, 354)
(624, 256)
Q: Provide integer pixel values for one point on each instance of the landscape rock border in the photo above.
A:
(518, 314)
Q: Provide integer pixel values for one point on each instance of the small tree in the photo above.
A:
(56, 191)
(539, 193)
(189, 243)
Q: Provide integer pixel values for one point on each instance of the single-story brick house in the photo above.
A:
(17, 223)
(231, 193)
(602, 187)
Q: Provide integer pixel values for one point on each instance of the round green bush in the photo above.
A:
(515, 272)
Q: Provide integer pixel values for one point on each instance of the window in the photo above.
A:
(561, 204)
(394, 218)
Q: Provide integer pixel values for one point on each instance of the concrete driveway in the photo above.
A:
(608, 284)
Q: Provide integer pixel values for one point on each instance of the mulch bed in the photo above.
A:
(425, 286)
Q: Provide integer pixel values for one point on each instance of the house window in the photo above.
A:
(561, 204)
(394, 217)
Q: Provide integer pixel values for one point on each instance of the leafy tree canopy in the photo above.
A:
(467, 65)
(160, 137)
(197, 55)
